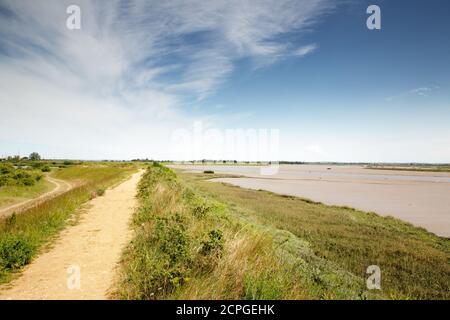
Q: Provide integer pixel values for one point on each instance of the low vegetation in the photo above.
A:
(13, 176)
(436, 168)
(187, 245)
(196, 239)
(90, 171)
(414, 263)
(23, 235)
(20, 183)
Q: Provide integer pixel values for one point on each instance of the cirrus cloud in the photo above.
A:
(120, 83)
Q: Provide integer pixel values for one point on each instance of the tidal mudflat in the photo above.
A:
(421, 198)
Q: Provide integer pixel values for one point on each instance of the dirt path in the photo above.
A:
(60, 187)
(92, 247)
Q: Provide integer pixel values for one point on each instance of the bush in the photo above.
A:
(5, 180)
(172, 237)
(15, 251)
(6, 168)
(214, 243)
(27, 181)
(36, 165)
(208, 172)
(200, 210)
(100, 192)
(10, 176)
(46, 169)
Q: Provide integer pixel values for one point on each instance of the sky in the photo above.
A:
(298, 80)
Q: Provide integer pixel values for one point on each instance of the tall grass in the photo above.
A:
(22, 235)
(13, 194)
(17, 184)
(92, 172)
(414, 263)
(188, 245)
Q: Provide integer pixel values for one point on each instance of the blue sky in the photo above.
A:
(139, 71)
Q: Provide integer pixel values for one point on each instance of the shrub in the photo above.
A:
(200, 210)
(46, 169)
(28, 181)
(4, 180)
(100, 192)
(208, 172)
(15, 251)
(11, 176)
(214, 243)
(6, 168)
(36, 165)
(172, 237)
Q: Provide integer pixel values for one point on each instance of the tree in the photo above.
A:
(34, 156)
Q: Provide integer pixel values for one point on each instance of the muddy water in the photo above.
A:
(421, 198)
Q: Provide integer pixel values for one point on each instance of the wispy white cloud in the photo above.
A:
(305, 50)
(124, 75)
(421, 91)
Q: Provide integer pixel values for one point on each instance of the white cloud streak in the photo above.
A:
(305, 50)
(421, 91)
(115, 88)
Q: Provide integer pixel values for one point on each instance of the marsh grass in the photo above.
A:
(188, 245)
(443, 168)
(415, 264)
(23, 235)
(196, 239)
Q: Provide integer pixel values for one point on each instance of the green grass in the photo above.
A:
(413, 169)
(13, 194)
(90, 171)
(188, 245)
(414, 263)
(21, 183)
(23, 235)
(196, 239)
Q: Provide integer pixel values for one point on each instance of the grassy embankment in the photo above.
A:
(203, 240)
(413, 169)
(22, 235)
(10, 195)
(19, 184)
